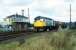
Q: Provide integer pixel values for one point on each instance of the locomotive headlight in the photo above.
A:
(41, 19)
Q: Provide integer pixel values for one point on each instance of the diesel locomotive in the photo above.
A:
(44, 24)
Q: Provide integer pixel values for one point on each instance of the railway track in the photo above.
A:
(7, 36)
(4, 37)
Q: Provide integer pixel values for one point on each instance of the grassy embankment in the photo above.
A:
(61, 40)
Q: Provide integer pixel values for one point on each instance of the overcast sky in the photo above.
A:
(55, 9)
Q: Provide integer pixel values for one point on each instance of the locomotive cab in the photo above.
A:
(39, 25)
(44, 23)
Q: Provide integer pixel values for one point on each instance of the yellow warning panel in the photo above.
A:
(39, 23)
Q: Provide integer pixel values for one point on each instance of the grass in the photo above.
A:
(60, 40)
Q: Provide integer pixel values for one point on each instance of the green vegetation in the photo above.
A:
(60, 40)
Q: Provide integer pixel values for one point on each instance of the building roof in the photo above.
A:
(16, 15)
(41, 17)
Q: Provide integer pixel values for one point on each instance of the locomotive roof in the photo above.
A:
(41, 17)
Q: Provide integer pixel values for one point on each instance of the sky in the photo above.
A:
(55, 9)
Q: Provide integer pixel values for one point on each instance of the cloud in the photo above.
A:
(46, 8)
(16, 2)
(56, 9)
(8, 7)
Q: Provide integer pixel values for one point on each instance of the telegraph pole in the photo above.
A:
(70, 12)
(70, 17)
(28, 15)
